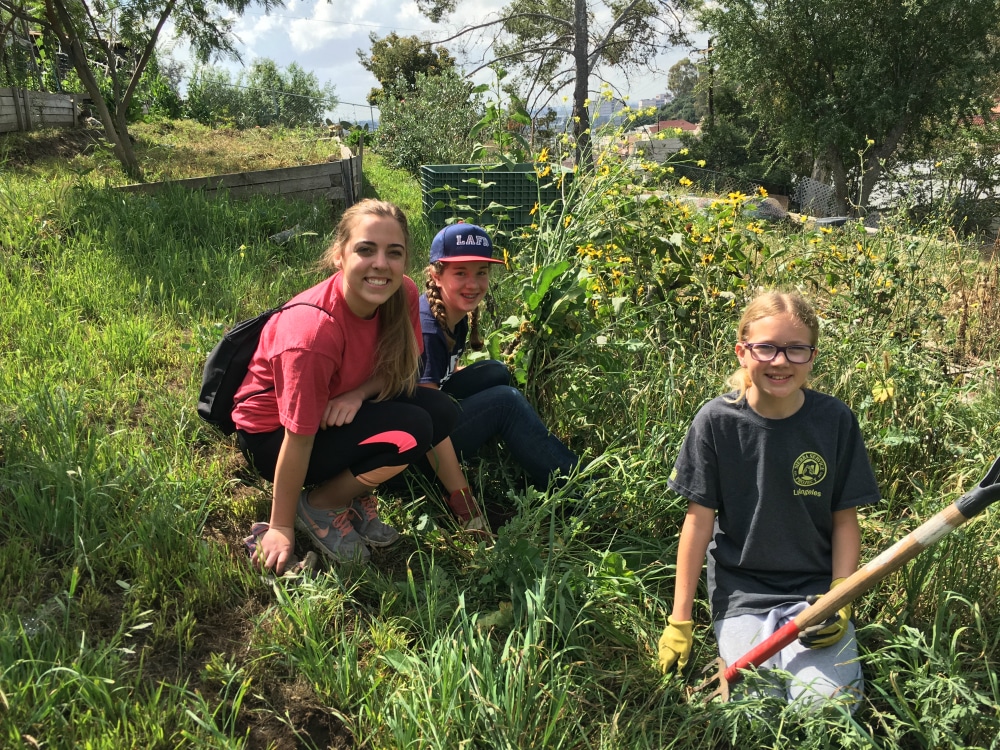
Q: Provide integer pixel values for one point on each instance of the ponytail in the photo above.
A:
(438, 310)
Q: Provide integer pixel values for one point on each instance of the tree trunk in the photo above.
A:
(827, 167)
(581, 123)
(116, 132)
(876, 157)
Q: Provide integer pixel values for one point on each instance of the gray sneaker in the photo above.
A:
(368, 525)
(331, 532)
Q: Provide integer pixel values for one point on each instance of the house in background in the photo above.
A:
(659, 140)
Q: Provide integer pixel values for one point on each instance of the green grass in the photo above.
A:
(130, 617)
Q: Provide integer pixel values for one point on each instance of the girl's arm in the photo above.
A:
(846, 542)
(340, 410)
(278, 543)
(696, 533)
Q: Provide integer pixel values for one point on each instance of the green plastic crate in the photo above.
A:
(461, 185)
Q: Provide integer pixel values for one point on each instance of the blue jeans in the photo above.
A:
(490, 407)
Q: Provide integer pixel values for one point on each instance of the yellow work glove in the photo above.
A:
(832, 630)
(675, 644)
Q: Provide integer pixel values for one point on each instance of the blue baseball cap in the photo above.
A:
(462, 242)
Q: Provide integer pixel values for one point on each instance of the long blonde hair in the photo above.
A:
(441, 313)
(397, 357)
(767, 305)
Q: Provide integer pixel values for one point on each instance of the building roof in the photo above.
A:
(980, 120)
(672, 124)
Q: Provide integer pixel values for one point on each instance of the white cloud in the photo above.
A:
(322, 37)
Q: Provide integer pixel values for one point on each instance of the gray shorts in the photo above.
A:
(815, 675)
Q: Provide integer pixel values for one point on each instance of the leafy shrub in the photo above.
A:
(269, 95)
(429, 124)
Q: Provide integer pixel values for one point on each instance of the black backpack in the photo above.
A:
(226, 367)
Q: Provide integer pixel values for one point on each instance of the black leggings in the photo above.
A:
(405, 428)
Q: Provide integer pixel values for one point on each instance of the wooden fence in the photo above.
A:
(333, 181)
(21, 109)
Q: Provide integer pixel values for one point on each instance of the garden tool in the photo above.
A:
(930, 532)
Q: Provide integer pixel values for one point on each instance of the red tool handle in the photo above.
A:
(762, 651)
(930, 532)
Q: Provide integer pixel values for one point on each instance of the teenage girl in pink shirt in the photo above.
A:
(329, 409)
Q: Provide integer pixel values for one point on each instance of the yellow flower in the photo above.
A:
(701, 162)
(683, 152)
(762, 192)
(567, 221)
(534, 209)
(684, 181)
(884, 391)
(586, 102)
(543, 155)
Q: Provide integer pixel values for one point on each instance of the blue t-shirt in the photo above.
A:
(775, 484)
(439, 360)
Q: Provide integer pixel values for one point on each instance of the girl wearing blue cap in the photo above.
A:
(457, 281)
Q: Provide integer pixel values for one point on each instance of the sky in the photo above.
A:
(322, 38)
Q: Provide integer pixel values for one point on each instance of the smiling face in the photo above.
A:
(462, 285)
(373, 261)
(776, 386)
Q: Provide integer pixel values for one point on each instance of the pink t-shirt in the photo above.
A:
(306, 357)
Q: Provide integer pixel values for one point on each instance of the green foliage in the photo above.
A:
(128, 614)
(268, 95)
(500, 130)
(430, 124)
(395, 57)
(860, 82)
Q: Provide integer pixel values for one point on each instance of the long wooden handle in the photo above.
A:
(928, 533)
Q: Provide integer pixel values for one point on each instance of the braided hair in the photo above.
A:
(441, 313)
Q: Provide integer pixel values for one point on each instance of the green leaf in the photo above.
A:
(543, 280)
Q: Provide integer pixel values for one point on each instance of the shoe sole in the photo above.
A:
(379, 544)
(304, 527)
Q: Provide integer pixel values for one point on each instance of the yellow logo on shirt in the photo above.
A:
(809, 469)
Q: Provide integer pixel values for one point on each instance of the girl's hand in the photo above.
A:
(341, 410)
(274, 548)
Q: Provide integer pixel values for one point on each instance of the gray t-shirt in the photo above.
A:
(775, 484)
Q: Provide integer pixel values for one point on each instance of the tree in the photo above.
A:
(846, 82)
(430, 124)
(117, 39)
(556, 43)
(682, 78)
(395, 57)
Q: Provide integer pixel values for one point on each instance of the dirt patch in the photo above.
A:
(24, 149)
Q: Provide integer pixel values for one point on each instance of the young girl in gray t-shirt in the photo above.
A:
(774, 473)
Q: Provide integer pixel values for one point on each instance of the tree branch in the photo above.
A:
(503, 20)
